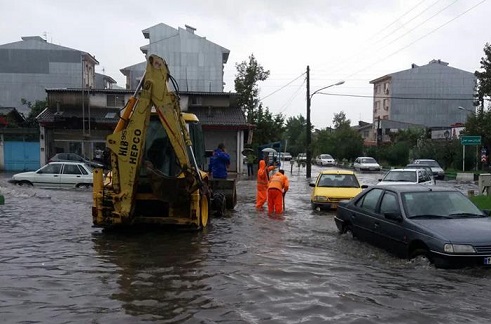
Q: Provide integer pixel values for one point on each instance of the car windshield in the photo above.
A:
(326, 156)
(439, 204)
(400, 176)
(338, 181)
(368, 160)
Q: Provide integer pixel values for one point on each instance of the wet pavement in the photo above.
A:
(244, 268)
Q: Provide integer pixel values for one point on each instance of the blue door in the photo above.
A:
(21, 156)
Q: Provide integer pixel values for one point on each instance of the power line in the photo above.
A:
(418, 39)
(392, 33)
(289, 102)
(392, 97)
(272, 93)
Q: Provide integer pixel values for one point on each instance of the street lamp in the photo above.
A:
(309, 126)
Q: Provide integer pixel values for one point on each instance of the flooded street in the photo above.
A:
(245, 268)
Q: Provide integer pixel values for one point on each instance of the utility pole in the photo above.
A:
(308, 135)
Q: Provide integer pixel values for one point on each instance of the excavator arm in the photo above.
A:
(115, 200)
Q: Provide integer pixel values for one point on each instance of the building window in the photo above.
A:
(115, 100)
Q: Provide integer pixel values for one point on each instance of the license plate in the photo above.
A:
(487, 260)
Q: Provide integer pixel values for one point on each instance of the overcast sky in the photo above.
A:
(341, 40)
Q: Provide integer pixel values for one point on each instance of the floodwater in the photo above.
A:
(244, 268)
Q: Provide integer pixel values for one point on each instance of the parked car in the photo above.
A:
(57, 175)
(437, 224)
(74, 158)
(366, 163)
(425, 167)
(325, 160)
(285, 156)
(333, 186)
(437, 170)
(406, 176)
(301, 158)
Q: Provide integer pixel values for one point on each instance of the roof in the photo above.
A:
(336, 172)
(106, 115)
(413, 187)
(220, 116)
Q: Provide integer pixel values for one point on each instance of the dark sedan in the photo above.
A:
(415, 221)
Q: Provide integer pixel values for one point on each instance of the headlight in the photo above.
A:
(320, 198)
(458, 248)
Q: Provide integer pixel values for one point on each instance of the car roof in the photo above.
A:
(67, 162)
(336, 172)
(415, 188)
(405, 169)
(429, 160)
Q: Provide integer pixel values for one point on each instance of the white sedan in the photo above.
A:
(57, 175)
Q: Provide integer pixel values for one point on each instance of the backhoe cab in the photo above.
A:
(154, 173)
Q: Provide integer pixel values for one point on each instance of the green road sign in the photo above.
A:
(470, 140)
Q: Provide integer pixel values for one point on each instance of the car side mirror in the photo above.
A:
(312, 184)
(364, 186)
(379, 180)
(395, 216)
(487, 212)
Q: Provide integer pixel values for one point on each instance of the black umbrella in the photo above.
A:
(247, 151)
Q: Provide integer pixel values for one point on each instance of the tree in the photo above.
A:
(246, 86)
(295, 133)
(35, 110)
(484, 77)
(346, 142)
(269, 127)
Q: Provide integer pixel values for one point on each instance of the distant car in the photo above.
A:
(285, 156)
(366, 163)
(425, 167)
(333, 186)
(57, 175)
(437, 224)
(437, 170)
(325, 160)
(74, 158)
(406, 176)
(302, 158)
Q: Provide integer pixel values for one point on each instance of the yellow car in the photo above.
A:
(332, 186)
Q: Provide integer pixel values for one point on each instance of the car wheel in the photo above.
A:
(25, 183)
(348, 229)
(421, 256)
(83, 185)
(218, 203)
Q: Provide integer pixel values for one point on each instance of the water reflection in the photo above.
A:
(159, 276)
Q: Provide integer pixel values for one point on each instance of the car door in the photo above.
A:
(71, 175)
(363, 216)
(48, 176)
(389, 225)
(356, 164)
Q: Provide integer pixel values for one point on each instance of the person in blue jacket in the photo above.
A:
(219, 162)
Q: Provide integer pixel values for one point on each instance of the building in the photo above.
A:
(30, 66)
(78, 122)
(431, 96)
(196, 63)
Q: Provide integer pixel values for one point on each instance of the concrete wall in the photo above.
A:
(436, 91)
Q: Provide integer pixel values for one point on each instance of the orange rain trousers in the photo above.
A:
(275, 201)
(261, 195)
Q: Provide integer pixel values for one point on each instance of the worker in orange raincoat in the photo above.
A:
(278, 186)
(262, 183)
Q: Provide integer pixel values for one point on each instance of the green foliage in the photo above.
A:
(35, 110)
(295, 133)
(484, 77)
(481, 201)
(342, 142)
(246, 86)
(269, 127)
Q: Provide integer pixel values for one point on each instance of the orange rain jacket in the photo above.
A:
(262, 183)
(278, 186)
